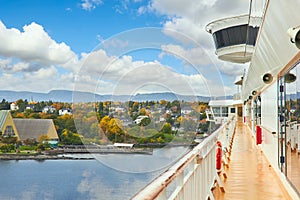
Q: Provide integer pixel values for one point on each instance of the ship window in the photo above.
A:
(224, 111)
(289, 120)
(217, 111)
(235, 35)
(232, 110)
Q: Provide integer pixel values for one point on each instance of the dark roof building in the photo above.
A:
(33, 128)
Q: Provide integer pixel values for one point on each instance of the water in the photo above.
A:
(69, 179)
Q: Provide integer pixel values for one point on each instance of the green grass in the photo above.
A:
(27, 148)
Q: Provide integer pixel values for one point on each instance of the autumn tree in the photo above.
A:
(104, 124)
(143, 111)
(42, 138)
(57, 106)
(166, 128)
(67, 137)
(115, 129)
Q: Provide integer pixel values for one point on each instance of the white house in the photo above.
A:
(65, 111)
(48, 109)
(14, 106)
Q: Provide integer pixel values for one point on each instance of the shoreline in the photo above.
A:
(74, 153)
(39, 157)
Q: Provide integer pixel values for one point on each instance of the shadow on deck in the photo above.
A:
(249, 175)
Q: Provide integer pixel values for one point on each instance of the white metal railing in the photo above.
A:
(227, 133)
(192, 177)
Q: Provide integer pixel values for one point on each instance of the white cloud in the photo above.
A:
(191, 16)
(141, 10)
(122, 75)
(125, 76)
(33, 44)
(192, 31)
(34, 61)
(196, 56)
(231, 69)
(90, 4)
(42, 74)
(42, 80)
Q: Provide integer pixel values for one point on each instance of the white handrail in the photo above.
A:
(191, 177)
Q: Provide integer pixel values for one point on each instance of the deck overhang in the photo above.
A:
(273, 49)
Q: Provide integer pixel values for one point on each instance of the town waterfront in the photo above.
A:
(75, 179)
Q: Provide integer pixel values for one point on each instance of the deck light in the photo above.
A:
(294, 34)
(267, 78)
(289, 78)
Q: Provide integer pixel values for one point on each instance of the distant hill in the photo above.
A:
(68, 96)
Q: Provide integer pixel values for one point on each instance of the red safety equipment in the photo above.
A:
(218, 155)
(258, 135)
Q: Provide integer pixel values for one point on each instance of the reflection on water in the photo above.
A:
(75, 179)
(67, 179)
(137, 163)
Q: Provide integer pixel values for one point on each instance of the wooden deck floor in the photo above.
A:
(249, 175)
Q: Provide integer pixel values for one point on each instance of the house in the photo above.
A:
(33, 128)
(14, 106)
(139, 119)
(7, 126)
(186, 111)
(30, 107)
(120, 109)
(48, 109)
(65, 111)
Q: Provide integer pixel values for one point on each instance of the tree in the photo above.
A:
(4, 105)
(143, 111)
(57, 106)
(34, 116)
(115, 127)
(101, 110)
(19, 115)
(21, 104)
(166, 129)
(9, 140)
(104, 124)
(30, 142)
(6, 148)
(175, 105)
(67, 137)
(42, 138)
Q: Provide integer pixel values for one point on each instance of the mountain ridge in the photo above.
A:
(71, 96)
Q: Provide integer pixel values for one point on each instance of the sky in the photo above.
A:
(115, 47)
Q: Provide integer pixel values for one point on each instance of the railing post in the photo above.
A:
(193, 175)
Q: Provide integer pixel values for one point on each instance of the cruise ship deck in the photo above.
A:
(264, 159)
(249, 174)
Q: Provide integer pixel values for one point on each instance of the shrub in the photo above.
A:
(6, 148)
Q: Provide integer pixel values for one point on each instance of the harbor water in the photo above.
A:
(76, 179)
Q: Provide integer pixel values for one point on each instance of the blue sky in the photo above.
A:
(56, 44)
